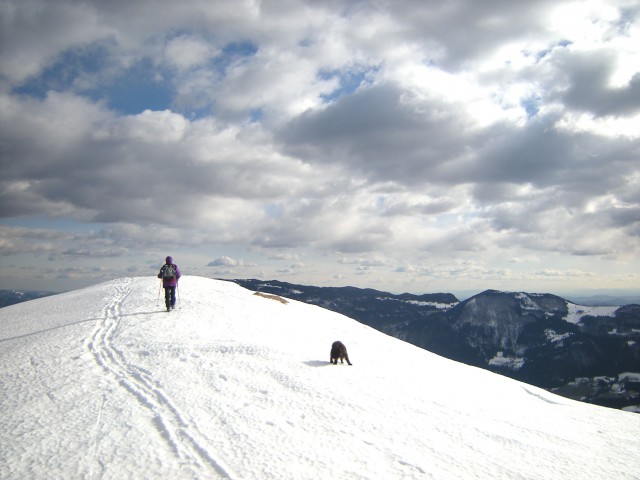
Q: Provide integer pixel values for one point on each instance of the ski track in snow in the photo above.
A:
(184, 438)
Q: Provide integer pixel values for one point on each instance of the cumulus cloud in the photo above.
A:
(230, 263)
(223, 262)
(406, 133)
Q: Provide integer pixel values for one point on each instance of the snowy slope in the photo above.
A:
(102, 383)
(576, 312)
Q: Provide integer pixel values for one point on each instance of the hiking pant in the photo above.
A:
(170, 297)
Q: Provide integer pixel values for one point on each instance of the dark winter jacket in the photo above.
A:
(172, 281)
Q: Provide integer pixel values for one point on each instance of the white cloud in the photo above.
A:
(408, 135)
(223, 262)
(152, 127)
(187, 52)
(230, 263)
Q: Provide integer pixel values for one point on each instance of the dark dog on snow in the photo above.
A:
(339, 352)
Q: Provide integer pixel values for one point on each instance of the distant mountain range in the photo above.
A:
(11, 297)
(588, 353)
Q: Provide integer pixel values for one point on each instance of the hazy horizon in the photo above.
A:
(632, 295)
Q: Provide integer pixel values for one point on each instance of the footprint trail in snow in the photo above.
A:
(187, 442)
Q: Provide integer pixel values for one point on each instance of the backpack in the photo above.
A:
(168, 272)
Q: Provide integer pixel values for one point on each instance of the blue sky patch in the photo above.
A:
(140, 88)
(232, 53)
(68, 69)
(85, 71)
(350, 81)
(531, 105)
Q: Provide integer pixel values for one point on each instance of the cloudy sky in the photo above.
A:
(402, 145)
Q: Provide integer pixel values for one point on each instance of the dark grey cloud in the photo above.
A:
(543, 156)
(376, 133)
(586, 81)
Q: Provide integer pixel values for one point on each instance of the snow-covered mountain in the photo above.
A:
(103, 383)
(588, 353)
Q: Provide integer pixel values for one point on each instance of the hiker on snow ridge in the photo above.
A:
(170, 274)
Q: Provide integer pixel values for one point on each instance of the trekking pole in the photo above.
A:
(178, 292)
(159, 290)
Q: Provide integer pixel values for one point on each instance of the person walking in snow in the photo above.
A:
(170, 274)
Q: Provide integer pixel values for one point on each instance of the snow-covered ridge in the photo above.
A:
(103, 383)
(441, 306)
(576, 312)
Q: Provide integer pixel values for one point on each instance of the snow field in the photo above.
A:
(103, 383)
